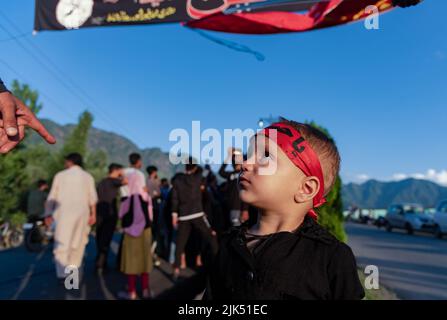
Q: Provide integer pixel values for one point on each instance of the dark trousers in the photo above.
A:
(159, 231)
(105, 228)
(184, 232)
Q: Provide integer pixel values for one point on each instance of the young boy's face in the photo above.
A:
(269, 179)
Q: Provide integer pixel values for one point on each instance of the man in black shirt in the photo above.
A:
(14, 117)
(107, 213)
(35, 204)
(188, 213)
(237, 211)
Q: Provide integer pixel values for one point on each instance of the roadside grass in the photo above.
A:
(382, 294)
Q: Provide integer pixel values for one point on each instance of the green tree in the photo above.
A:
(96, 164)
(15, 166)
(28, 96)
(14, 181)
(77, 141)
(331, 214)
(27, 163)
(95, 161)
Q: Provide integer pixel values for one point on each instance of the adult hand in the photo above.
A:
(14, 117)
(175, 220)
(48, 221)
(92, 220)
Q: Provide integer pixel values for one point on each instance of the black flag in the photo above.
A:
(74, 14)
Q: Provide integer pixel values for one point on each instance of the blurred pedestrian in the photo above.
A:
(107, 213)
(236, 209)
(72, 202)
(153, 187)
(136, 219)
(188, 213)
(35, 204)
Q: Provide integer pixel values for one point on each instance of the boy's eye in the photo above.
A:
(264, 158)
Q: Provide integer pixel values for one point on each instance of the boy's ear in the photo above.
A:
(307, 190)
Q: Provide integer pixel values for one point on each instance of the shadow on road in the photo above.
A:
(28, 276)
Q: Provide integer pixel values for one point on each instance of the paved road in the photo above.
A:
(414, 267)
(27, 276)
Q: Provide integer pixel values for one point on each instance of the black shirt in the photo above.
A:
(36, 203)
(308, 264)
(186, 193)
(231, 189)
(2, 86)
(108, 190)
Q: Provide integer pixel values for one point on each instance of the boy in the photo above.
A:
(107, 213)
(286, 254)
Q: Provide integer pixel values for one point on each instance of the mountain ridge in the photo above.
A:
(114, 145)
(373, 194)
(379, 195)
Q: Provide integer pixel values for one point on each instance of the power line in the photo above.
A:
(105, 116)
(54, 74)
(19, 75)
(16, 37)
(38, 60)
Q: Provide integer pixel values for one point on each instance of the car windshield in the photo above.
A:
(413, 209)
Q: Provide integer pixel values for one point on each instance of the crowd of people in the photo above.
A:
(179, 221)
(281, 253)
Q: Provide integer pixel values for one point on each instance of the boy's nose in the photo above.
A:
(247, 165)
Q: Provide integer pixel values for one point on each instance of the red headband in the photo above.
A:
(302, 155)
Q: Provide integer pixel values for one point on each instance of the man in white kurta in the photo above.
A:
(73, 198)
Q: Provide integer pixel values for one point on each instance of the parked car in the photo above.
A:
(410, 217)
(380, 222)
(440, 219)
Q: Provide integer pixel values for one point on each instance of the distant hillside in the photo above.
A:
(115, 146)
(379, 195)
(371, 194)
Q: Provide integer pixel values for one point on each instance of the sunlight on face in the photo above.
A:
(269, 179)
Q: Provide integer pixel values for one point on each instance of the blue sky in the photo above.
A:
(381, 93)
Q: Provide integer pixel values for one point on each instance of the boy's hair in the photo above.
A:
(324, 147)
(114, 166)
(75, 158)
(134, 158)
(151, 169)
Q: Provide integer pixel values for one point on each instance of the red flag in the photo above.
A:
(322, 15)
